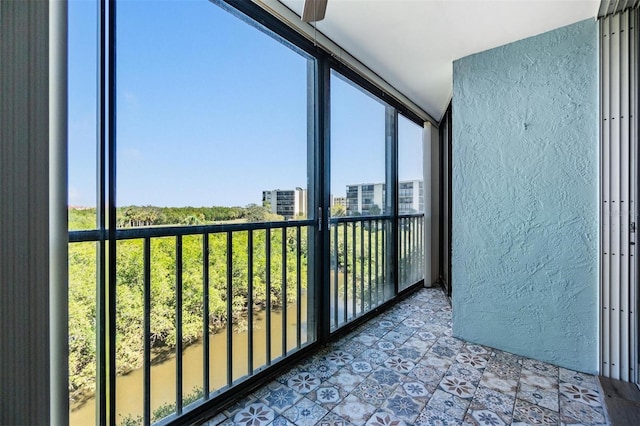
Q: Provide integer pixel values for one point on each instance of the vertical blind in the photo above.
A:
(618, 170)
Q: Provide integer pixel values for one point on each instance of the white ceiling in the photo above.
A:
(412, 43)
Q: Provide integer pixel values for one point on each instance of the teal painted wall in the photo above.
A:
(525, 197)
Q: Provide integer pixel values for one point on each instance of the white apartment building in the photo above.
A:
(368, 198)
(287, 202)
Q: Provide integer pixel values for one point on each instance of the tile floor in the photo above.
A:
(404, 368)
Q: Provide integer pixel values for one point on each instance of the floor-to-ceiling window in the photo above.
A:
(411, 203)
(197, 205)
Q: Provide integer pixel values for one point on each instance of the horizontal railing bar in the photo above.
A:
(408, 215)
(348, 219)
(87, 236)
(172, 231)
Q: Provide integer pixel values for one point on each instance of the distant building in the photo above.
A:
(287, 202)
(339, 201)
(369, 198)
(410, 197)
(365, 199)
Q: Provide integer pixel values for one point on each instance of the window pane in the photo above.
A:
(212, 114)
(211, 128)
(82, 102)
(410, 203)
(360, 278)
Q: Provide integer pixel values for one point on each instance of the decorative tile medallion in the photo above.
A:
(457, 387)
(305, 413)
(475, 361)
(450, 404)
(383, 418)
(399, 364)
(355, 410)
(580, 394)
(303, 383)
(432, 417)
(257, 414)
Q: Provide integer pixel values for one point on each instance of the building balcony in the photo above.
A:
(403, 367)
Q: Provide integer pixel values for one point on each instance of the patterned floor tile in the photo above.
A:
(332, 419)
(354, 410)
(215, 420)
(540, 367)
(277, 396)
(366, 339)
(409, 353)
(544, 398)
(281, 421)
(458, 387)
(526, 412)
(327, 395)
(477, 350)
(503, 370)
(384, 418)
(534, 379)
(399, 364)
(387, 377)
(346, 379)
(483, 417)
(339, 357)
(372, 392)
(432, 417)
(256, 414)
(395, 337)
(416, 390)
(449, 404)
(305, 413)
(442, 351)
(428, 376)
(489, 400)
(303, 382)
(403, 406)
(580, 394)
(385, 345)
(439, 363)
(473, 360)
(585, 380)
(465, 372)
(405, 368)
(506, 386)
(374, 356)
(235, 408)
(574, 412)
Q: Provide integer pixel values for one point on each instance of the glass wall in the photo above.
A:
(359, 276)
(411, 203)
(203, 269)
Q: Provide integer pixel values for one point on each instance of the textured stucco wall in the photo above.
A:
(525, 213)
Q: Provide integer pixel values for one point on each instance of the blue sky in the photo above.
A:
(211, 111)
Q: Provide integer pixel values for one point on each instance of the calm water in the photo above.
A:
(130, 390)
(129, 398)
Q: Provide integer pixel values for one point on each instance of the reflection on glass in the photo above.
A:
(410, 202)
(360, 278)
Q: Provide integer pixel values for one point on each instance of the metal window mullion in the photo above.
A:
(146, 413)
(111, 209)
(178, 324)
(298, 286)
(284, 292)
(605, 195)
(205, 316)
(268, 293)
(615, 195)
(102, 317)
(633, 123)
(354, 269)
(624, 197)
(250, 303)
(229, 308)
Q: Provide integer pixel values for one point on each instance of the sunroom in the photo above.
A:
(199, 197)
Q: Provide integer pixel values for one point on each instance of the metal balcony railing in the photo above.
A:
(250, 283)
